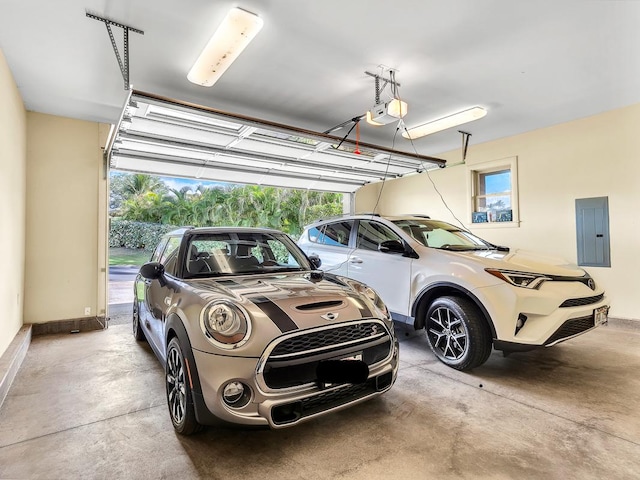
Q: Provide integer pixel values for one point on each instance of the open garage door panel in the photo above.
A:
(167, 137)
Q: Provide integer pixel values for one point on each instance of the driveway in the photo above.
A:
(121, 293)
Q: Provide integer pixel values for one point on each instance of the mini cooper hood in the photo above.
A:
(526, 261)
(297, 295)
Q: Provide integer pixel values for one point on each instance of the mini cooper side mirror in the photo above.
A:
(152, 270)
(315, 261)
(391, 246)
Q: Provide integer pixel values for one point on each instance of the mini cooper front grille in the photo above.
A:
(294, 359)
(578, 302)
(327, 338)
(570, 328)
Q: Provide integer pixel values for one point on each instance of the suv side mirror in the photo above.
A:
(391, 246)
(315, 261)
(152, 270)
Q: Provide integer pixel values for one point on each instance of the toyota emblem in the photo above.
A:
(591, 284)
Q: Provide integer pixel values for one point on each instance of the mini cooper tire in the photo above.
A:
(138, 333)
(179, 399)
(457, 333)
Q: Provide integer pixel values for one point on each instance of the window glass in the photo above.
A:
(280, 253)
(158, 251)
(231, 253)
(170, 255)
(437, 234)
(315, 233)
(493, 199)
(371, 234)
(336, 234)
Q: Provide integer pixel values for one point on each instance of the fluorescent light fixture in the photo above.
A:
(384, 113)
(443, 123)
(235, 32)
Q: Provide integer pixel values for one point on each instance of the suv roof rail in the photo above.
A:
(334, 217)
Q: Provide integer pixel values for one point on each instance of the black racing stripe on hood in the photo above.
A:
(275, 313)
(365, 312)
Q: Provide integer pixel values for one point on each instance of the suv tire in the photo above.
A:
(457, 333)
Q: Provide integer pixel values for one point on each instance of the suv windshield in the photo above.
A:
(232, 253)
(437, 234)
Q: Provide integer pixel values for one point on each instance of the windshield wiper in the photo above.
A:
(456, 248)
(500, 248)
(463, 248)
(285, 269)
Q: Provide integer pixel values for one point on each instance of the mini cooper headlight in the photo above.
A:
(519, 279)
(226, 323)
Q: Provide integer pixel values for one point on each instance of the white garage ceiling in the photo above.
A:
(530, 64)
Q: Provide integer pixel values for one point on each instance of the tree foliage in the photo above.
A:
(144, 198)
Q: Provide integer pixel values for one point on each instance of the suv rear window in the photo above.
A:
(336, 234)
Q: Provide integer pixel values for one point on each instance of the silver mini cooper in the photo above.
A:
(250, 332)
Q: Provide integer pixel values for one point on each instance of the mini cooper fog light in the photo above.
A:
(236, 394)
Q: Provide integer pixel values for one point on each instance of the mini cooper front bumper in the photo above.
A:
(283, 385)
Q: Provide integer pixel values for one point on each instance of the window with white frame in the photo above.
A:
(494, 192)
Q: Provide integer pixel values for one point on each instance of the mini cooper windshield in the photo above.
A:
(437, 234)
(231, 253)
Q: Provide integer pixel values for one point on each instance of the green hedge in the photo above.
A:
(130, 234)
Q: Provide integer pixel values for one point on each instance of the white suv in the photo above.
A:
(468, 294)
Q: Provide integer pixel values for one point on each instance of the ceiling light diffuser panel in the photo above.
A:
(444, 123)
(233, 35)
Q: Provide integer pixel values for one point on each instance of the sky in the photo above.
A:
(178, 183)
(500, 182)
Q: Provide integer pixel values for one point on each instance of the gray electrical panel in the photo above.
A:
(592, 232)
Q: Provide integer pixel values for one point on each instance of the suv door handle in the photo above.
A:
(355, 260)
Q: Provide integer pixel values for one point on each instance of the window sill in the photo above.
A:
(485, 225)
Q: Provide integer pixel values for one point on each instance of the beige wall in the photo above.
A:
(65, 258)
(592, 157)
(13, 160)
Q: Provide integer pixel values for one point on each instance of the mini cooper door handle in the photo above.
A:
(355, 260)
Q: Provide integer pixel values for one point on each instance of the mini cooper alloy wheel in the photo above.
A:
(176, 385)
(179, 397)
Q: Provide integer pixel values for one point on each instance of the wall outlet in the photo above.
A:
(87, 310)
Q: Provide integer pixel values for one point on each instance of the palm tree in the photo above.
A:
(141, 183)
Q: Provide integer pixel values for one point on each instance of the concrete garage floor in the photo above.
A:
(92, 405)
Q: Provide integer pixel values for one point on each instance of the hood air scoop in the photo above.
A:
(320, 305)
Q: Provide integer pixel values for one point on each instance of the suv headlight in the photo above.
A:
(225, 323)
(519, 279)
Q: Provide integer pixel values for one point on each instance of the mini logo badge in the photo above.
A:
(330, 316)
(591, 284)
